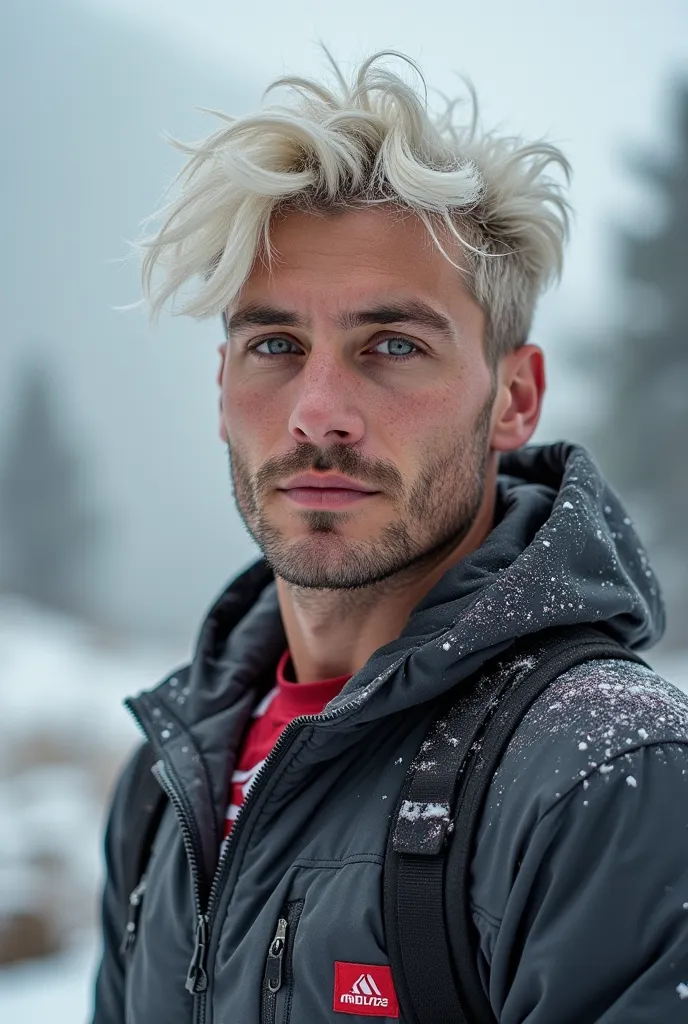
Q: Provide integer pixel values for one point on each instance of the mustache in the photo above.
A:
(341, 458)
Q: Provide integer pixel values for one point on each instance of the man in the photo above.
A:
(377, 272)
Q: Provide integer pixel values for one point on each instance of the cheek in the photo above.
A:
(410, 428)
(434, 422)
(424, 414)
(250, 415)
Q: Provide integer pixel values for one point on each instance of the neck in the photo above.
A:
(334, 632)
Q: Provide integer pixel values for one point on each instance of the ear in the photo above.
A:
(222, 429)
(518, 403)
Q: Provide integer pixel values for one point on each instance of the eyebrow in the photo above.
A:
(407, 312)
(410, 312)
(262, 316)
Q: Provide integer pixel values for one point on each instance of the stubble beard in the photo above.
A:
(434, 518)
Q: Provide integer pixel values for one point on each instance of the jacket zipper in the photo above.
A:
(226, 856)
(272, 981)
(279, 968)
(197, 976)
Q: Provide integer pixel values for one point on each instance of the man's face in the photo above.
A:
(334, 394)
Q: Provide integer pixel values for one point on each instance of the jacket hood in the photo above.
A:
(563, 551)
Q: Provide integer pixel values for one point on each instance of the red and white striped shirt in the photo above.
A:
(286, 701)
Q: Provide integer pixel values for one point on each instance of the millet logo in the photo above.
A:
(364, 992)
(365, 989)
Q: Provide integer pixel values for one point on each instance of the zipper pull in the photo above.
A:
(197, 979)
(129, 937)
(273, 967)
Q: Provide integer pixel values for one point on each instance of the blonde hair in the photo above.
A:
(371, 141)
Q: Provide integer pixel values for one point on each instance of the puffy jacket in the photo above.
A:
(579, 880)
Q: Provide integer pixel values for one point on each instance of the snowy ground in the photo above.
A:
(52, 991)
(65, 691)
(63, 736)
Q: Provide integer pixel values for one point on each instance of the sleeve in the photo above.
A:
(595, 928)
(109, 985)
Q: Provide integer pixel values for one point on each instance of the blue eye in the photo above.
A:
(271, 341)
(399, 356)
(279, 346)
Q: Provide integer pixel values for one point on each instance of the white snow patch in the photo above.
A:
(630, 781)
(567, 504)
(682, 990)
(413, 810)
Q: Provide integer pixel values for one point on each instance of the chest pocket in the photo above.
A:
(326, 959)
(278, 979)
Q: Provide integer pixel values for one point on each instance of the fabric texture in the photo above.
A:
(580, 872)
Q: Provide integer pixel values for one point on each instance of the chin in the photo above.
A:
(321, 561)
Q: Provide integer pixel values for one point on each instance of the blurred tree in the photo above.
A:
(641, 440)
(49, 535)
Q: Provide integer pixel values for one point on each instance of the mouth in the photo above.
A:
(326, 497)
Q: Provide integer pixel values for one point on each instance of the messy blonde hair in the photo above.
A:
(368, 142)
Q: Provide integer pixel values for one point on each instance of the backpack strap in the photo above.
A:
(146, 802)
(431, 937)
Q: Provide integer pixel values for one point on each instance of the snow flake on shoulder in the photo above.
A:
(608, 705)
(593, 715)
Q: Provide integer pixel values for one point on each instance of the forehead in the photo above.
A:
(365, 252)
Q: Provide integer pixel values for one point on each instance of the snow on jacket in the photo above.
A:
(580, 873)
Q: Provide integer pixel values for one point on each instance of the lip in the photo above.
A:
(326, 497)
(327, 482)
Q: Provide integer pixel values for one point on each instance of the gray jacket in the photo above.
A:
(580, 873)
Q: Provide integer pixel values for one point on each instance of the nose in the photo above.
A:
(326, 409)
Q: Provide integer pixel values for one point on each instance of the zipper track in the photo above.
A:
(169, 782)
(189, 834)
(294, 908)
(273, 758)
(274, 971)
(191, 839)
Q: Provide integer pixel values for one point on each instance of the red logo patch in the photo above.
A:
(365, 989)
